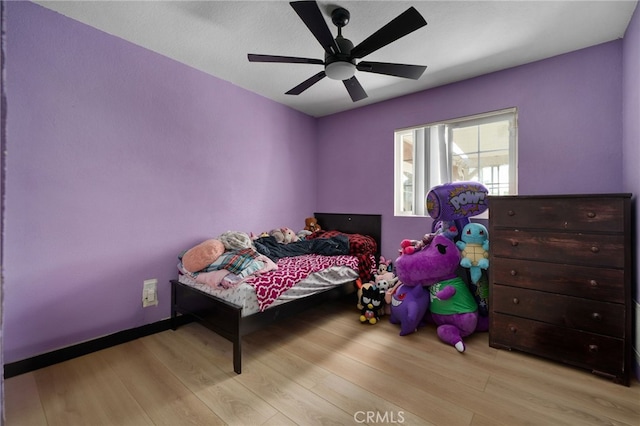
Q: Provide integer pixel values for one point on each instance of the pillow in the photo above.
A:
(202, 255)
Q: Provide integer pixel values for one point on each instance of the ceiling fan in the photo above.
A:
(340, 54)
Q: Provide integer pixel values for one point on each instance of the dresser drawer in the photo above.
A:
(588, 350)
(570, 214)
(602, 284)
(559, 247)
(567, 311)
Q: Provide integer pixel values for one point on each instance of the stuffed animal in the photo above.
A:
(412, 246)
(311, 224)
(408, 307)
(303, 234)
(452, 306)
(289, 235)
(388, 297)
(370, 302)
(384, 265)
(360, 285)
(284, 235)
(261, 235)
(429, 265)
(449, 228)
(384, 280)
(278, 235)
(474, 246)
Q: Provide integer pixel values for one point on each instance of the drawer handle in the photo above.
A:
(513, 328)
(514, 272)
(596, 316)
(593, 283)
(515, 301)
(514, 243)
(591, 215)
(511, 213)
(593, 348)
(595, 249)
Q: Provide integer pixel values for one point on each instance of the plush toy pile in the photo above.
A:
(384, 283)
(284, 235)
(432, 286)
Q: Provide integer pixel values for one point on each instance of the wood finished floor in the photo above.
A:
(323, 368)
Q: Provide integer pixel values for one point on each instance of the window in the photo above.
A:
(480, 148)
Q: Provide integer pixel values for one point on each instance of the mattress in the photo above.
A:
(244, 295)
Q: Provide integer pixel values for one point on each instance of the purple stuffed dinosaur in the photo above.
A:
(452, 306)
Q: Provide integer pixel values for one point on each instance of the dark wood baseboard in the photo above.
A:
(40, 361)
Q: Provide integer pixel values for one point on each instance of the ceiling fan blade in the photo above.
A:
(311, 15)
(355, 89)
(285, 59)
(406, 23)
(398, 70)
(306, 84)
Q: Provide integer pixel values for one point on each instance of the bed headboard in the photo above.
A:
(365, 224)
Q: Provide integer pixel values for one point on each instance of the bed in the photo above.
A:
(234, 319)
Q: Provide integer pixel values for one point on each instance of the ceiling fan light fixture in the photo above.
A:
(340, 70)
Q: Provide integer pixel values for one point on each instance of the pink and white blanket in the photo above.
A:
(269, 286)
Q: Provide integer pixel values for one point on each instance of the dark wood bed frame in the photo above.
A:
(190, 304)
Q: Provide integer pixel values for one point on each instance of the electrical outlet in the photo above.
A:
(150, 293)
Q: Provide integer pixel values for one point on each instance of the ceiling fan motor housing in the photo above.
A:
(339, 66)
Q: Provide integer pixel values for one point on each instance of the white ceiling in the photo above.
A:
(463, 39)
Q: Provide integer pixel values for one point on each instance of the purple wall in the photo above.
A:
(570, 127)
(119, 158)
(631, 138)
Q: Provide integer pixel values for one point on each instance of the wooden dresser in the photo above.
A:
(560, 279)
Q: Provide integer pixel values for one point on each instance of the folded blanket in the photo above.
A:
(242, 262)
(223, 278)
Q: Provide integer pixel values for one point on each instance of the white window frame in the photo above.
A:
(433, 166)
